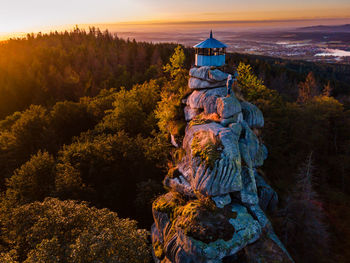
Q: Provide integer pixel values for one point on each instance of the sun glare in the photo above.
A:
(18, 16)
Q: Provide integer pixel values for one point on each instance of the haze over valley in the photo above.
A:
(313, 43)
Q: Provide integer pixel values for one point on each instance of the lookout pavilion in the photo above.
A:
(210, 52)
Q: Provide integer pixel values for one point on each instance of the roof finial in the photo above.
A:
(211, 33)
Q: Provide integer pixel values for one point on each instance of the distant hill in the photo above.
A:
(322, 28)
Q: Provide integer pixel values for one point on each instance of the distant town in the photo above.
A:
(329, 44)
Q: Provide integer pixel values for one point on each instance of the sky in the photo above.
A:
(45, 15)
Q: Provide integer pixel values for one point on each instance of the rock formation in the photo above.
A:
(215, 208)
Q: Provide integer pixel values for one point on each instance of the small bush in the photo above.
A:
(168, 203)
(158, 250)
(204, 118)
(206, 146)
(202, 220)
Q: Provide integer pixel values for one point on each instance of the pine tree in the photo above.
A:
(305, 234)
(327, 90)
(308, 89)
(177, 61)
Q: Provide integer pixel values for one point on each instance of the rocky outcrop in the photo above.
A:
(252, 115)
(227, 107)
(205, 100)
(217, 203)
(204, 77)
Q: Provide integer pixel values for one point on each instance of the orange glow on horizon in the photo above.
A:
(18, 17)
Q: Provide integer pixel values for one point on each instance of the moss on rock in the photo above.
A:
(158, 250)
(206, 146)
(203, 221)
(204, 118)
(168, 203)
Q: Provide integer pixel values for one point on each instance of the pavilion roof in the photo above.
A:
(210, 43)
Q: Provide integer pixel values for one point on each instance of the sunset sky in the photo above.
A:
(37, 15)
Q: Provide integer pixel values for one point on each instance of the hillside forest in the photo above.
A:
(85, 145)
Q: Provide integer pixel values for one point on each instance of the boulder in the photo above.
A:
(222, 200)
(179, 184)
(174, 253)
(260, 157)
(200, 73)
(249, 145)
(259, 215)
(252, 115)
(217, 75)
(227, 122)
(236, 129)
(211, 127)
(205, 73)
(223, 178)
(190, 113)
(225, 175)
(249, 193)
(237, 118)
(194, 83)
(247, 231)
(162, 222)
(268, 198)
(205, 99)
(228, 107)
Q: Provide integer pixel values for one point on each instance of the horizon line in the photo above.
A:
(68, 27)
(136, 22)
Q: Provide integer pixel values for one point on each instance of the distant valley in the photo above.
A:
(316, 43)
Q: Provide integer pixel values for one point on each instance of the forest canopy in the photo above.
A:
(84, 142)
